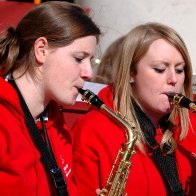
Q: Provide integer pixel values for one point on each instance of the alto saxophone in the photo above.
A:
(116, 182)
(181, 100)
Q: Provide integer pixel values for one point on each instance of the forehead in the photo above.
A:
(163, 49)
(160, 44)
(87, 43)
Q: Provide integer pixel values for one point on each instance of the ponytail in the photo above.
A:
(9, 50)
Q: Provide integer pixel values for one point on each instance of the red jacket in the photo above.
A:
(21, 172)
(96, 143)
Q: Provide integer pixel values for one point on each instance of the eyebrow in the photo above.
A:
(85, 53)
(182, 63)
(166, 62)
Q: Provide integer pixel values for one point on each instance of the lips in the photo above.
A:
(170, 95)
(169, 92)
(79, 86)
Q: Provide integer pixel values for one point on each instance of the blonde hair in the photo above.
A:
(134, 47)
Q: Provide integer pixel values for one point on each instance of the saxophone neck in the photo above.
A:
(131, 135)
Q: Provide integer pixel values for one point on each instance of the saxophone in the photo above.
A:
(182, 101)
(116, 182)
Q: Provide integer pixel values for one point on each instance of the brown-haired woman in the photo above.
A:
(44, 61)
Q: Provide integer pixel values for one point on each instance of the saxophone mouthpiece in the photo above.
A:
(181, 100)
(81, 91)
(90, 97)
(170, 96)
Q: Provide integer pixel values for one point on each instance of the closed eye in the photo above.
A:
(158, 70)
(78, 59)
(179, 71)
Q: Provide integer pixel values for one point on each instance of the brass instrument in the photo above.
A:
(181, 100)
(116, 181)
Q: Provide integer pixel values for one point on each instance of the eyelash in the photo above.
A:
(178, 71)
(78, 60)
(159, 70)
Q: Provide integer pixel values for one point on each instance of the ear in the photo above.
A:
(40, 49)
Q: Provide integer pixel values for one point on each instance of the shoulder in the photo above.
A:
(95, 127)
(189, 141)
(192, 127)
(8, 96)
(94, 119)
(192, 116)
(106, 96)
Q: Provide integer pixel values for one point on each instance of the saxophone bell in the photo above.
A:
(181, 100)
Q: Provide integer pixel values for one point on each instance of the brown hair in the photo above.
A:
(59, 22)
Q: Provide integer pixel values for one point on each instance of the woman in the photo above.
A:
(153, 62)
(45, 60)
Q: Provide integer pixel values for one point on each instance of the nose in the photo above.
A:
(172, 77)
(86, 71)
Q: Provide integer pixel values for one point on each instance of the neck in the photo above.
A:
(148, 120)
(31, 90)
(155, 118)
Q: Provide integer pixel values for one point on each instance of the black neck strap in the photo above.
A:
(43, 147)
(165, 162)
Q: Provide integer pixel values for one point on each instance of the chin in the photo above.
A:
(71, 102)
(168, 110)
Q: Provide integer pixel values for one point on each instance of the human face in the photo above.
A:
(160, 71)
(66, 68)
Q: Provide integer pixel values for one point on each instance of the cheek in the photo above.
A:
(58, 79)
(67, 74)
(181, 84)
(148, 85)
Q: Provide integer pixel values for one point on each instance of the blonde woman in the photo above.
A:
(153, 61)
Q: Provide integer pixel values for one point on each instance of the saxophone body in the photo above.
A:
(116, 182)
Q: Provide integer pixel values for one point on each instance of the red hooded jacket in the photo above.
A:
(21, 171)
(96, 143)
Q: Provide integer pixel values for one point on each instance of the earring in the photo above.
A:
(131, 81)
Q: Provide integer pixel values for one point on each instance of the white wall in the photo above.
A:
(117, 17)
